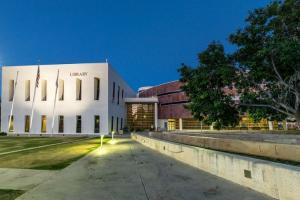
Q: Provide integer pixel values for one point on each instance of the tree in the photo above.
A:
(204, 86)
(268, 57)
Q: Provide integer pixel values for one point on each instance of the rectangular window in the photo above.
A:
(11, 125)
(27, 90)
(11, 88)
(27, 123)
(44, 124)
(78, 124)
(60, 124)
(97, 124)
(121, 127)
(44, 90)
(114, 88)
(61, 89)
(118, 94)
(117, 129)
(78, 89)
(122, 94)
(112, 124)
(96, 88)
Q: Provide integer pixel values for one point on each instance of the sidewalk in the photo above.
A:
(23, 179)
(128, 170)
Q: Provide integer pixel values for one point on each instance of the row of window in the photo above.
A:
(61, 124)
(114, 91)
(117, 124)
(61, 90)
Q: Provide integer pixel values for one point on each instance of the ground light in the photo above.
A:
(112, 135)
(102, 151)
(112, 141)
(101, 141)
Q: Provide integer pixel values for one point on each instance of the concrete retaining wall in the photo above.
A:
(274, 179)
(273, 150)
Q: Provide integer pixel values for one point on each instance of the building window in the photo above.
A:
(122, 94)
(78, 89)
(27, 90)
(121, 127)
(61, 89)
(97, 124)
(11, 89)
(96, 88)
(140, 116)
(112, 124)
(114, 88)
(44, 90)
(118, 94)
(117, 129)
(78, 124)
(44, 124)
(60, 124)
(11, 124)
(27, 123)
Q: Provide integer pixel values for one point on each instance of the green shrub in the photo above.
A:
(125, 130)
(3, 134)
(139, 129)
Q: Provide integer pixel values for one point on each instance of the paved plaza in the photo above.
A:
(128, 170)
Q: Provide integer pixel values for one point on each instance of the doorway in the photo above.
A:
(171, 124)
(44, 124)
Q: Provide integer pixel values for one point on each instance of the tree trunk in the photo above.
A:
(297, 105)
(297, 117)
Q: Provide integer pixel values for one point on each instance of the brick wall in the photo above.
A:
(171, 100)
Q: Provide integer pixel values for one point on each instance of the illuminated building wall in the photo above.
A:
(90, 99)
(172, 113)
(171, 105)
(140, 116)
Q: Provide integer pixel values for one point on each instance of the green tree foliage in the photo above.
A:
(268, 57)
(204, 86)
(265, 67)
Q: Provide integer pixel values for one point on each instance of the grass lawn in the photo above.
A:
(10, 194)
(50, 158)
(17, 143)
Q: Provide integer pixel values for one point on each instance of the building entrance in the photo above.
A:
(171, 124)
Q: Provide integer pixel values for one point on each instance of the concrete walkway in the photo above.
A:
(23, 179)
(128, 170)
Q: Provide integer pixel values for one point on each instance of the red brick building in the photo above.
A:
(172, 113)
(171, 100)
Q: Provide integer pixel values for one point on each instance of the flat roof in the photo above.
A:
(53, 64)
(142, 100)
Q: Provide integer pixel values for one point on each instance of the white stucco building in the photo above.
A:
(90, 99)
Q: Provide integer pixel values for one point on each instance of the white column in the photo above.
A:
(270, 125)
(180, 124)
(212, 126)
(155, 116)
(285, 125)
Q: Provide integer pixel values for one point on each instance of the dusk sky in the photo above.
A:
(144, 40)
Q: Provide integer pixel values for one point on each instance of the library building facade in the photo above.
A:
(91, 98)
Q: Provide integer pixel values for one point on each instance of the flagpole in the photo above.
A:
(54, 103)
(33, 100)
(13, 101)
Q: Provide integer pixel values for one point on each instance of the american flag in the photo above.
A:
(37, 77)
